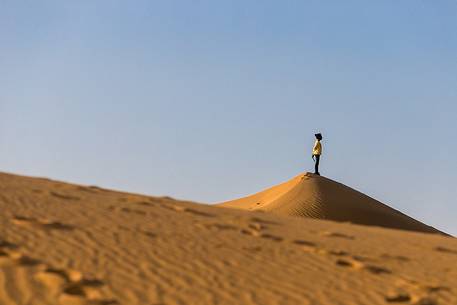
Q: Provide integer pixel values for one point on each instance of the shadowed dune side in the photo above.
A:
(318, 197)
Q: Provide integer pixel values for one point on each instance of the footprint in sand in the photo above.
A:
(257, 226)
(399, 258)
(150, 234)
(255, 229)
(359, 265)
(253, 249)
(345, 259)
(9, 256)
(337, 252)
(178, 208)
(398, 297)
(41, 224)
(309, 246)
(307, 176)
(47, 285)
(146, 203)
(197, 212)
(446, 250)
(64, 196)
(263, 221)
(411, 292)
(306, 245)
(349, 263)
(272, 237)
(337, 235)
(133, 211)
(127, 210)
(220, 226)
(86, 189)
(70, 287)
(250, 232)
(5, 244)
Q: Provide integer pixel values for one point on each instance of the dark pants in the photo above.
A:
(316, 164)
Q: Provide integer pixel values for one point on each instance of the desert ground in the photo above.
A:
(66, 244)
(313, 196)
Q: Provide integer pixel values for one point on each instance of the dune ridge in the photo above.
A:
(318, 197)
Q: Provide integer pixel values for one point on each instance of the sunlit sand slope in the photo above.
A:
(319, 197)
(68, 244)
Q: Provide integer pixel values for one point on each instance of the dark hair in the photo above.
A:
(318, 136)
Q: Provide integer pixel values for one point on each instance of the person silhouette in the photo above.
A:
(317, 152)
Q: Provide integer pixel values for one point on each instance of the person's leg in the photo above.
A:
(316, 165)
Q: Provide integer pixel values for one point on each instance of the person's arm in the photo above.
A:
(314, 148)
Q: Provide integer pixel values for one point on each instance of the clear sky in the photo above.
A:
(213, 100)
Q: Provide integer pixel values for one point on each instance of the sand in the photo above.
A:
(69, 244)
(309, 195)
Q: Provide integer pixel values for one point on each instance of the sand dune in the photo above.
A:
(318, 197)
(68, 244)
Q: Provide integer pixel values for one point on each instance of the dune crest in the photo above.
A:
(318, 197)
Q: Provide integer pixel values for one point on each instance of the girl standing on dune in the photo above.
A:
(317, 151)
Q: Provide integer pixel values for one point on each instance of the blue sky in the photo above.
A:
(213, 100)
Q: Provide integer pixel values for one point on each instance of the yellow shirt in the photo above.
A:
(317, 149)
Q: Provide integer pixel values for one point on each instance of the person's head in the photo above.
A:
(318, 136)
